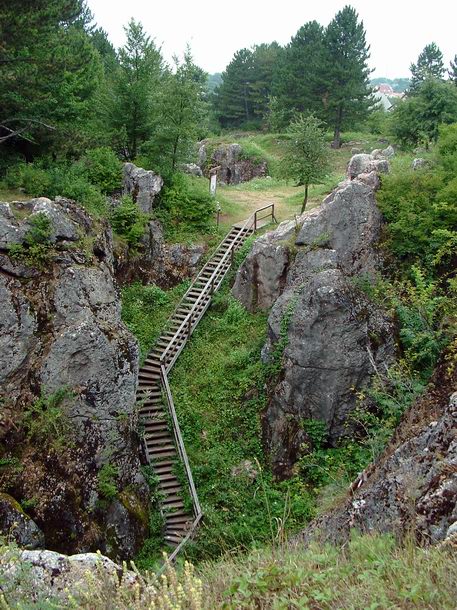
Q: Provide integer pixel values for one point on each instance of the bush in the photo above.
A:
(103, 169)
(60, 180)
(45, 421)
(129, 221)
(107, 481)
(34, 180)
(185, 208)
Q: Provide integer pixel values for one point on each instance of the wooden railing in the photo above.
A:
(182, 334)
(212, 284)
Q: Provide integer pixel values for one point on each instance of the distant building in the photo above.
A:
(382, 100)
(385, 88)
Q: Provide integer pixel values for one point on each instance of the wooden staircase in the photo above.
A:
(162, 436)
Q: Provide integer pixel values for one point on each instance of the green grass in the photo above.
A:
(145, 310)
(369, 573)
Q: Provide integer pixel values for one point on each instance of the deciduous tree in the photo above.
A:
(307, 154)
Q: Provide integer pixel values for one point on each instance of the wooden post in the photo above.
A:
(255, 221)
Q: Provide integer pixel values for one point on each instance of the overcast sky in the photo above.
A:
(397, 30)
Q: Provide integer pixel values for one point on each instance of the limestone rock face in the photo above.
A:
(332, 334)
(412, 487)
(232, 168)
(193, 169)
(349, 222)
(262, 277)
(142, 185)
(157, 261)
(331, 338)
(18, 525)
(41, 576)
(61, 332)
(364, 164)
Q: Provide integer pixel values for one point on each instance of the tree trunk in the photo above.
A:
(337, 133)
(305, 200)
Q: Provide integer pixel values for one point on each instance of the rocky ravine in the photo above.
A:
(328, 337)
(60, 327)
(411, 490)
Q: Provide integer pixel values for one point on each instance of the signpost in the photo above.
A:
(213, 184)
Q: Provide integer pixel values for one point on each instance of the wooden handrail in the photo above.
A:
(210, 282)
(179, 441)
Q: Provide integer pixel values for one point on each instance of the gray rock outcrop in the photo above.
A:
(232, 167)
(143, 185)
(18, 526)
(412, 488)
(61, 332)
(365, 163)
(193, 169)
(418, 164)
(323, 332)
(44, 577)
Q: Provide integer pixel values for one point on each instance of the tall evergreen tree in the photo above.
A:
(429, 65)
(49, 70)
(232, 99)
(137, 80)
(346, 74)
(453, 70)
(298, 83)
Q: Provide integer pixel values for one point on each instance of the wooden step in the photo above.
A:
(170, 538)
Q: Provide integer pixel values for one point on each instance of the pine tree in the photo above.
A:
(136, 85)
(429, 65)
(347, 94)
(453, 70)
(49, 70)
(232, 99)
(298, 83)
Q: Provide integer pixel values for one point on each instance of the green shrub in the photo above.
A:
(45, 420)
(34, 180)
(107, 481)
(186, 209)
(36, 250)
(103, 169)
(129, 221)
(40, 230)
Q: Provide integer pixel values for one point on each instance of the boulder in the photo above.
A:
(389, 152)
(143, 185)
(356, 151)
(193, 169)
(61, 332)
(377, 153)
(411, 489)
(359, 164)
(16, 525)
(43, 577)
(419, 164)
(365, 164)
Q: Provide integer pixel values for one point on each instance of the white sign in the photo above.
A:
(213, 184)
